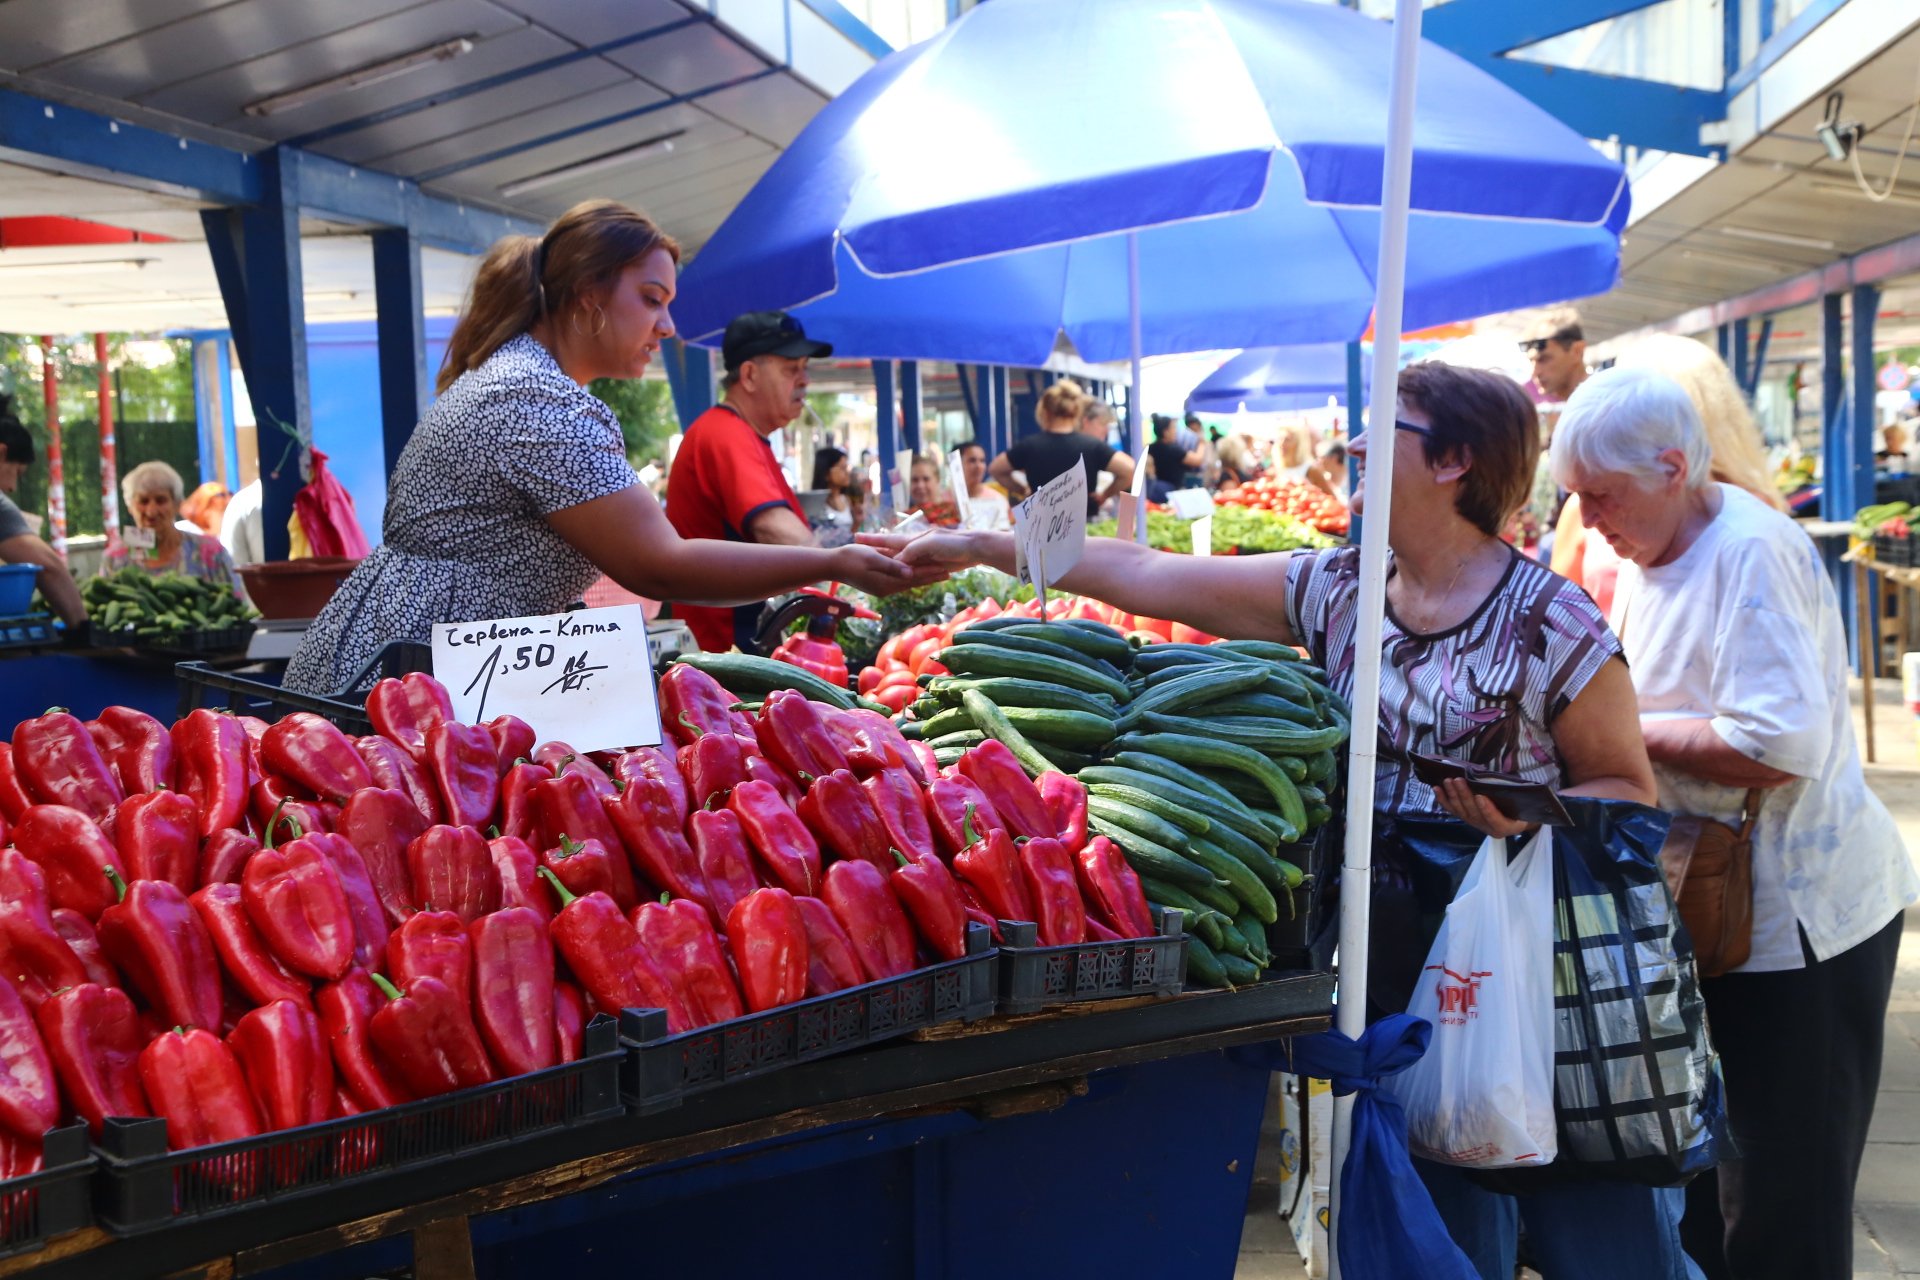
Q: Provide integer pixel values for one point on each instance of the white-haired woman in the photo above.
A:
(153, 492)
(1733, 633)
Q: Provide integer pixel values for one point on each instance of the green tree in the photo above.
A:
(645, 410)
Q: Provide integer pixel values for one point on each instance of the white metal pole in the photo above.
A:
(1139, 487)
(1356, 872)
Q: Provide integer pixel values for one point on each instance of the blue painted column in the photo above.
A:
(1741, 354)
(1002, 410)
(400, 303)
(1838, 481)
(1356, 396)
(989, 424)
(1723, 343)
(1865, 308)
(910, 407)
(690, 378)
(886, 428)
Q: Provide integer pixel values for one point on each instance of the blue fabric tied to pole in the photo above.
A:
(1388, 1226)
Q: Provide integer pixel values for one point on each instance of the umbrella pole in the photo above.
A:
(1133, 395)
(1356, 872)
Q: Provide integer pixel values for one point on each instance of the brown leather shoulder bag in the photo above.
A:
(1709, 870)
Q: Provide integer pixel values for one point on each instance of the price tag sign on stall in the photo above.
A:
(957, 481)
(1203, 536)
(1050, 530)
(137, 539)
(1130, 508)
(584, 678)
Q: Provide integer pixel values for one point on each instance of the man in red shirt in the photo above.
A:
(725, 481)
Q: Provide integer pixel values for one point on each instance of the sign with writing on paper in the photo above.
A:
(584, 678)
(1190, 504)
(1203, 536)
(957, 481)
(896, 489)
(1124, 507)
(1050, 529)
(137, 539)
(1140, 497)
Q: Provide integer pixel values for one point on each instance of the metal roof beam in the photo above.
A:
(1501, 26)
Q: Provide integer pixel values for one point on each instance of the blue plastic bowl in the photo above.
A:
(16, 588)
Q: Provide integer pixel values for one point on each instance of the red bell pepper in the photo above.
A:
(726, 866)
(29, 1098)
(953, 801)
(461, 759)
(283, 1053)
(650, 824)
(517, 815)
(136, 747)
(680, 938)
(567, 805)
(924, 757)
(14, 799)
(569, 1020)
(713, 767)
(1014, 796)
(32, 952)
(902, 806)
(657, 764)
(158, 834)
(1066, 799)
(452, 870)
(926, 889)
(223, 856)
(768, 939)
(193, 1080)
(56, 759)
(512, 738)
(310, 750)
(1097, 932)
(563, 759)
(870, 741)
(295, 899)
(784, 846)
(74, 856)
(93, 1038)
(831, 964)
(513, 990)
(243, 952)
(518, 867)
(601, 947)
(381, 824)
(792, 734)
(1111, 889)
(434, 944)
(881, 933)
(406, 709)
(428, 1037)
(694, 704)
(761, 769)
(284, 806)
(155, 936)
(823, 658)
(991, 865)
(363, 900)
(1060, 918)
(977, 912)
(211, 765)
(394, 770)
(84, 941)
(346, 1010)
(843, 819)
(583, 866)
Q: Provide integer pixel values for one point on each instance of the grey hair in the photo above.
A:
(149, 476)
(1619, 422)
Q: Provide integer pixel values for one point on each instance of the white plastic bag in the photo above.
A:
(1482, 1097)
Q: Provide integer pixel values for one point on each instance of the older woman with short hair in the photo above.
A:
(1734, 635)
(153, 492)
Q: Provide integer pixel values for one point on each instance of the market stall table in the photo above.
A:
(1903, 579)
(1098, 1138)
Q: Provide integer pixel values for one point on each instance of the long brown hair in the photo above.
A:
(523, 279)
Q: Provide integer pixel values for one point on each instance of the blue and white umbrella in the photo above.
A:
(1275, 380)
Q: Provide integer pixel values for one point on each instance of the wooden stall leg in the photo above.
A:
(1863, 597)
(443, 1250)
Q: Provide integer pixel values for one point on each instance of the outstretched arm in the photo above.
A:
(1242, 597)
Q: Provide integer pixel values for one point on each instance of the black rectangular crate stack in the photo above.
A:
(260, 694)
(662, 1069)
(144, 1186)
(35, 1207)
(1034, 977)
(1896, 551)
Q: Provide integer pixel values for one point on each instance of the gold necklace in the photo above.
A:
(1427, 624)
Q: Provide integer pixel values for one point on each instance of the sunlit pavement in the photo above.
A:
(1887, 1202)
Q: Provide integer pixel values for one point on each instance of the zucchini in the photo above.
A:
(1011, 691)
(1106, 643)
(987, 660)
(1242, 883)
(1210, 752)
(1149, 825)
(1203, 967)
(743, 674)
(1271, 737)
(1167, 810)
(1149, 858)
(995, 724)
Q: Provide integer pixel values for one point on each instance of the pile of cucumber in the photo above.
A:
(161, 608)
(1204, 763)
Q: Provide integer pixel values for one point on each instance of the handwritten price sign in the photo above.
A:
(583, 678)
(1050, 529)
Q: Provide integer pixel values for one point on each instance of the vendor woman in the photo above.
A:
(514, 494)
(153, 492)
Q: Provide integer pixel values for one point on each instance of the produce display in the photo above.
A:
(1295, 498)
(162, 608)
(1198, 763)
(1246, 530)
(1881, 518)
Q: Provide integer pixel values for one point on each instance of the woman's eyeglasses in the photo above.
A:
(1423, 432)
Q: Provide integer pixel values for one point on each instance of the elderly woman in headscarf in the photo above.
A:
(1733, 633)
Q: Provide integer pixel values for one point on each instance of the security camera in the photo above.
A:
(1838, 136)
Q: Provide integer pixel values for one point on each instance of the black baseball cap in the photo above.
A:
(768, 333)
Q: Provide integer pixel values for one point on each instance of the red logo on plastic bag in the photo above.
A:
(1457, 996)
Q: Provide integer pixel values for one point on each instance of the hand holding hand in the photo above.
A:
(877, 573)
(945, 549)
(1477, 811)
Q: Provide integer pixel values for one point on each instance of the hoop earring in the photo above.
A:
(600, 316)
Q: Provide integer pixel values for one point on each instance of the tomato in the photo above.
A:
(1184, 634)
(923, 653)
(896, 698)
(897, 676)
(1158, 627)
(869, 680)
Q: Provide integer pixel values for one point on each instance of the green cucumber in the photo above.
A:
(1239, 971)
(996, 725)
(1231, 943)
(1271, 650)
(1178, 814)
(1106, 644)
(1321, 768)
(1212, 753)
(1227, 814)
(1149, 858)
(1009, 691)
(1158, 659)
(965, 739)
(1196, 780)
(1248, 926)
(1203, 967)
(744, 674)
(1271, 737)
(987, 660)
(1064, 759)
(1269, 705)
(1080, 730)
(1020, 644)
(1150, 825)
(1203, 685)
(1240, 878)
(1160, 893)
(952, 720)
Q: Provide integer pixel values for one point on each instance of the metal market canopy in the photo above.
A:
(493, 114)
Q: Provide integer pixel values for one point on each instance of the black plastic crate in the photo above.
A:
(144, 1186)
(255, 694)
(228, 640)
(1033, 977)
(27, 631)
(662, 1069)
(1894, 551)
(38, 1206)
